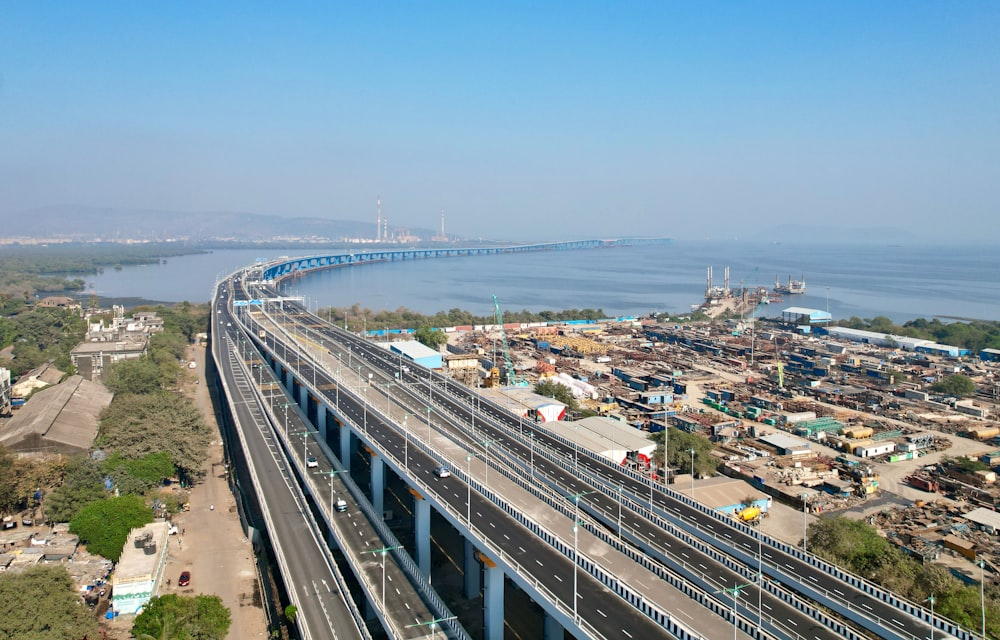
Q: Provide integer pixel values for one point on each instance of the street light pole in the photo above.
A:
(760, 580)
(331, 473)
(805, 512)
(382, 552)
(286, 420)
(931, 600)
(692, 474)
(468, 484)
(576, 557)
(621, 490)
(982, 593)
(428, 427)
(576, 450)
(339, 363)
(433, 624)
(486, 459)
(531, 445)
(305, 440)
(666, 456)
(735, 591)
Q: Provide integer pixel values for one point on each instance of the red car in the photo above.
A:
(185, 579)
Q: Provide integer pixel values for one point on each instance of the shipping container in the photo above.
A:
(858, 433)
(983, 433)
(923, 484)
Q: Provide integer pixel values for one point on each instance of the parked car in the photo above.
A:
(312, 462)
(185, 579)
(442, 472)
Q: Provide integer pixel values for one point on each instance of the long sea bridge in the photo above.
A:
(286, 267)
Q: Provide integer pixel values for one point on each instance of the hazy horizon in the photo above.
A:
(559, 120)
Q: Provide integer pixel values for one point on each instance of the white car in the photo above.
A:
(442, 472)
(312, 462)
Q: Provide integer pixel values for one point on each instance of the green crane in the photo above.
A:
(508, 369)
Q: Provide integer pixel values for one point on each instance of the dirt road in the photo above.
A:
(211, 544)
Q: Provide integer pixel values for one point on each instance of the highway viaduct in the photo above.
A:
(309, 362)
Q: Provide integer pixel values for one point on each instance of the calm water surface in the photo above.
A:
(899, 282)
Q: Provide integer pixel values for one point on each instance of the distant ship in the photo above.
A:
(793, 286)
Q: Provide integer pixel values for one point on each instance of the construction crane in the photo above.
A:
(512, 378)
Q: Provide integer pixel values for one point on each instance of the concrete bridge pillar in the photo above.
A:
(470, 567)
(321, 410)
(304, 398)
(422, 532)
(378, 481)
(492, 599)
(345, 447)
(552, 630)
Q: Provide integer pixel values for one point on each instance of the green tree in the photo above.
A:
(81, 485)
(42, 335)
(963, 464)
(177, 617)
(42, 603)
(21, 477)
(559, 392)
(8, 482)
(139, 375)
(955, 385)
(136, 425)
(104, 525)
(680, 447)
(859, 548)
(429, 337)
(139, 475)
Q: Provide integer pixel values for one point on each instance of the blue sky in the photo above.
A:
(569, 119)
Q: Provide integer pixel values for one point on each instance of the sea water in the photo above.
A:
(900, 282)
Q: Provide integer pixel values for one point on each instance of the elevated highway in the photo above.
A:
(655, 527)
(506, 546)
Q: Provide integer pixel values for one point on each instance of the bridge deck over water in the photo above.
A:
(295, 266)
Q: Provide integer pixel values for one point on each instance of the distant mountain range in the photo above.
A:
(87, 224)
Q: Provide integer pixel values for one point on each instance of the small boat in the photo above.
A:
(793, 287)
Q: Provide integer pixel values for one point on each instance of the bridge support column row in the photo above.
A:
(492, 599)
(321, 412)
(345, 447)
(553, 630)
(378, 482)
(470, 568)
(422, 532)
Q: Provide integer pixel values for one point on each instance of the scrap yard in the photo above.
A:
(816, 418)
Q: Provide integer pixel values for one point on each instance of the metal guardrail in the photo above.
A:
(276, 542)
(664, 619)
(405, 561)
(833, 601)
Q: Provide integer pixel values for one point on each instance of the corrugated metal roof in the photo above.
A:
(413, 349)
(984, 516)
(784, 441)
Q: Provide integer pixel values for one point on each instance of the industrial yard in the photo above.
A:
(817, 418)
